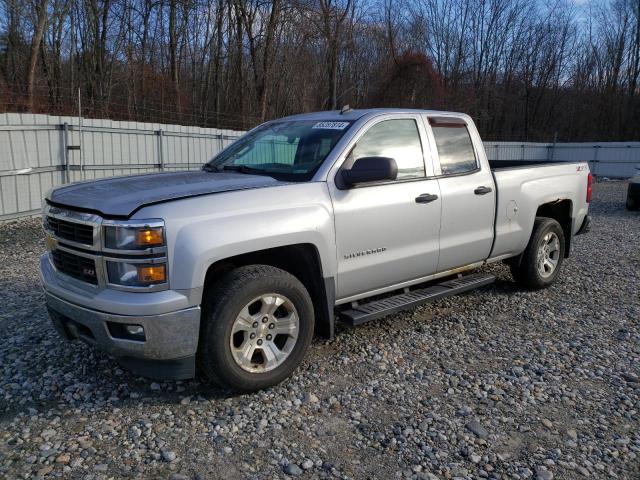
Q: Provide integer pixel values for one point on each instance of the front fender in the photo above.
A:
(203, 230)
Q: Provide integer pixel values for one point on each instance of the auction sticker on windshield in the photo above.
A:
(332, 125)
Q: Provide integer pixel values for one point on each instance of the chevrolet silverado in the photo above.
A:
(227, 272)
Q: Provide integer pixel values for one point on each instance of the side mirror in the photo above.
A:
(370, 169)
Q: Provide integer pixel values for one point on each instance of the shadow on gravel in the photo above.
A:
(76, 375)
(505, 286)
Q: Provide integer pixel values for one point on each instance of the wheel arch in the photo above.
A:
(300, 260)
(560, 210)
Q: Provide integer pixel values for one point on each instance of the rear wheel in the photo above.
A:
(632, 203)
(542, 259)
(257, 325)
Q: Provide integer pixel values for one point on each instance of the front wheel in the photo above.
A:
(542, 259)
(257, 325)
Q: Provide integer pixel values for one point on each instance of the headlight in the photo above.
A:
(137, 235)
(136, 274)
(135, 252)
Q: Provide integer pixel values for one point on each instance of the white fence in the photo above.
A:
(606, 159)
(38, 152)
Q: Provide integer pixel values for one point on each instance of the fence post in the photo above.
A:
(595, 158)
(160, 152)
(188, 153)
(65, 150)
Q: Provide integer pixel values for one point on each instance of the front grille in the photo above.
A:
(75, 232)
(75, 266)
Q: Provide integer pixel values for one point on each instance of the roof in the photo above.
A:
(356, 114)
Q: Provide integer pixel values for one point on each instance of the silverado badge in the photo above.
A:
(364, 252)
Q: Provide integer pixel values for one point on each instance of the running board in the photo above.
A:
(380, 308)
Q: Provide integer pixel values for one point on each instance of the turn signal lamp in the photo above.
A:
(150, 274)
(149, 237)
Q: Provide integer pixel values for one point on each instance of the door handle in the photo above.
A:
(482, 190)
(426, 198)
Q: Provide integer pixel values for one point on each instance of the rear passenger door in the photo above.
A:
(467, 191)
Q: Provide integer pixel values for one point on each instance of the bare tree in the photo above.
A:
(260, 20)
(524, 70)
(40, 12)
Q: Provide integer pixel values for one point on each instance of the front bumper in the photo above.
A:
(169, 348)
(171, 338)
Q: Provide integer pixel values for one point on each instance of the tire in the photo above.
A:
(528, 272)
(255, 294)
(632, 204)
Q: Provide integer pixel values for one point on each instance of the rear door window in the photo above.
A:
(455, 148)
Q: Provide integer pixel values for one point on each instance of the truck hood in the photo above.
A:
(122, 196)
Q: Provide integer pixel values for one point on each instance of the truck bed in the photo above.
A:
(522, 185)
(502, 164)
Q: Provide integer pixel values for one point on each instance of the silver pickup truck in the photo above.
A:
(227, 272)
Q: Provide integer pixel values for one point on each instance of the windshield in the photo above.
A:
(287, 150)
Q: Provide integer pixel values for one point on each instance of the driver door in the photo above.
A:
(386, 233)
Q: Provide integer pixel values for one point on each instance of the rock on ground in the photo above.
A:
(390, 399)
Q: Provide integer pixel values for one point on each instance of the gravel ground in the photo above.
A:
(498, 383)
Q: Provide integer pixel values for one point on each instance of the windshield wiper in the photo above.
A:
(242, 169)
(236, 168)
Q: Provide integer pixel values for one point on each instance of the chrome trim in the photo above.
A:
(99, 253)
(100, 272)
(150, 223)
(126, 288)
(136, 260)
(148, 251)
(74, 217)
